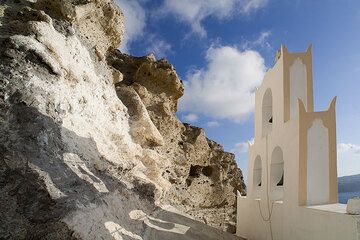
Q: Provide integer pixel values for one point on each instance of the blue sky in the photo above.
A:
(222, 48)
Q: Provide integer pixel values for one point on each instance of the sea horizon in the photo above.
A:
(344, 196)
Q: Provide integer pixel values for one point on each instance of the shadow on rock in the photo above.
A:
(38, 186)
(43, 191)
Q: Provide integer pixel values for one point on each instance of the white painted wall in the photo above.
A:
(298, 85)
(289, 221)
(318, 164)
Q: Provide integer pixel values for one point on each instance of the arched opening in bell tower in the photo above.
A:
(257, 182)
(277, 174)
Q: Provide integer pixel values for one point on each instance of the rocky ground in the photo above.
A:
(90, 146)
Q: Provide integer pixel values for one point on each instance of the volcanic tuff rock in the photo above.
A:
(90, 146)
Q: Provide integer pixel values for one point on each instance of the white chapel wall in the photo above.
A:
(317, 164)
(298, 85)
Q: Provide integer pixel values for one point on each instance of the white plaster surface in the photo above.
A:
(336, 207)
(298, 85)
(299, 223)
(270, 219)
(318, 164)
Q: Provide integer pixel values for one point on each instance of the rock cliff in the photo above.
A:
(90, 146)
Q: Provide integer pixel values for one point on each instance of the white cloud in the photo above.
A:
(252, 5)
(225, 89)
(261, 41)
(213, 124)
(242, 147)
(191, 117)
(263, 37)
(158, 46)
(348, 159)
(348, 147)
(135, 22)
(194, 12)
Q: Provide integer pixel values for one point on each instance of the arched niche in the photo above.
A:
(277, 174)
(318, 178)
(267, 112)
(257, 181)
(298, 86)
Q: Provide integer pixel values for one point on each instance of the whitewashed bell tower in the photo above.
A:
(292, 162)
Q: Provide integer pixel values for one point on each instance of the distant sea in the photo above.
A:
(344, 196)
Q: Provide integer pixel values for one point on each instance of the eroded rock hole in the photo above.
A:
(207, 171)
(188, 182)
(195, 171)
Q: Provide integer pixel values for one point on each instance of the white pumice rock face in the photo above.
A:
(88, 134)
(204, 179)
